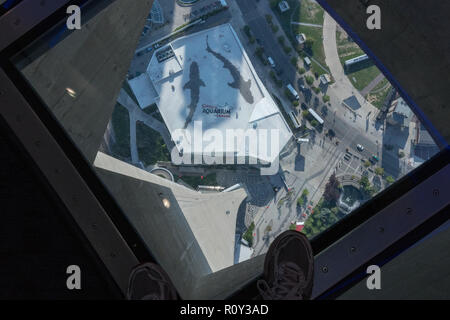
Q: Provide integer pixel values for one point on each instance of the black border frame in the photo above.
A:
(319, 243)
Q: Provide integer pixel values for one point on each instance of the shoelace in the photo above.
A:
(288, 285)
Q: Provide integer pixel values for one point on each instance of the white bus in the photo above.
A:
(316, 116)
(293, 91)
(295, 120)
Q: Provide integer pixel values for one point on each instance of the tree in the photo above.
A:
(248, 235)
(379, 171)
(305, 192)
(390, 179)
(309, 43)
(367, 163)
(364, 182)
(301, 70)
(366, 186)
(296, 103)
(332, 189)
(326, 98)
(287, 49)
(309, 80)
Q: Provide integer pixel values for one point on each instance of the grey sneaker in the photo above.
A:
(288, 268)
(149, 281)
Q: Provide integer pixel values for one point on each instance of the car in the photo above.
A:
(316, 101)
(359, 147)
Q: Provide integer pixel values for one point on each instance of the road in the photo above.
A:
(267, 38)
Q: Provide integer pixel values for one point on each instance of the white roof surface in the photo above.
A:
(172, 80)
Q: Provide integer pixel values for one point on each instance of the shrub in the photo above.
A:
(309, 44)
(294, 61)
(367, 163)
(248, 235)
(314, 123)
(379, 171)
(305, 193)
(247, 31)
(316, 90)
(309, 80)
(326, 98)
(332, 189)
(301, 70)
(390, 179)
(296, 103)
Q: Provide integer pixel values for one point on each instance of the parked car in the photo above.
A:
(360, 148)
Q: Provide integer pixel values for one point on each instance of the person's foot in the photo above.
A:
(149, 281)
(288, 268)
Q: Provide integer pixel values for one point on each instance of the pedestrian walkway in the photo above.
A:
(342, 88)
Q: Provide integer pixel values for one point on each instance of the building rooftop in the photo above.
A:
(400, 113)
(207, 80)
(301, 38)
(284, 6)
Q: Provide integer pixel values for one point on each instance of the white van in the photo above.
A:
(271, 62)
(293, 91)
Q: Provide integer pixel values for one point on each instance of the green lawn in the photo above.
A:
(308, 12)
(121, 124)
(317, 52)
(360, 79)
(348, 50)
(150, 144)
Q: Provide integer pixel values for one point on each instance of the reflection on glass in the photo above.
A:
(243, 121)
